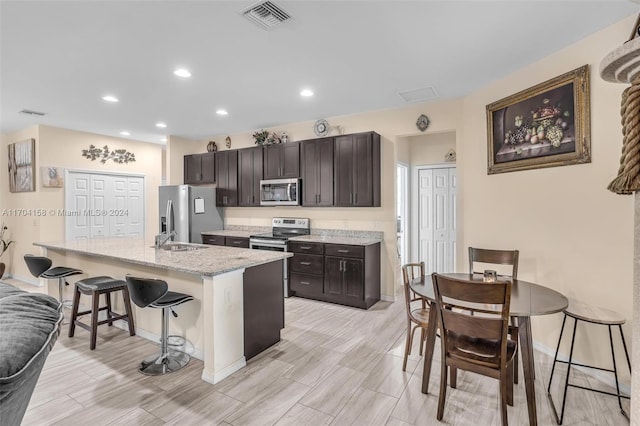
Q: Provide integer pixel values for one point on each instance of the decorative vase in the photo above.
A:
(212, 147)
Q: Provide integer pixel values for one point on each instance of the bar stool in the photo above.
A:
(154, 293)
(594, 315)
(40, 267)
(95, 286)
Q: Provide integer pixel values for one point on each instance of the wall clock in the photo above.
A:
(321, 127)
(422, 123)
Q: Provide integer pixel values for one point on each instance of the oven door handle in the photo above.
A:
(271, 243)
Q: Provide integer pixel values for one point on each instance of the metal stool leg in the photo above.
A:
(615, 373)
(165, 362)
(555, 358)
(566, 382)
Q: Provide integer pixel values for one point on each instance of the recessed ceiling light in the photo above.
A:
(110, 98)
(306, 93)
(222, 112)
(181, 72)
(125, 133)
(161, 125)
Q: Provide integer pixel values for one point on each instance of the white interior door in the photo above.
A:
(436, 218)
(101, 195)
(77, 199)
(101, 205)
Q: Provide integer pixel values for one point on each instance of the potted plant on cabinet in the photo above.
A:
(4, 246)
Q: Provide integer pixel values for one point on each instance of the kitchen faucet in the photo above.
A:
(161, 239)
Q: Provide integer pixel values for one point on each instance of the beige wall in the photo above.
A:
(430, 148)
(573, 235)
(176, 149)
(62, 148)
(23, 230)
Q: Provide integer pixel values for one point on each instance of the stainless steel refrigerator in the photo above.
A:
(189, 210)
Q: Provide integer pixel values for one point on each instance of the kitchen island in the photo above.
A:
(237, 311)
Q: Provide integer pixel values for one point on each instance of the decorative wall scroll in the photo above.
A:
(120, 156)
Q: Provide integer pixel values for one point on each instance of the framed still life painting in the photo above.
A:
(544, 126)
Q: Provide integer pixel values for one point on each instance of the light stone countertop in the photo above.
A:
(230, 233)
(332, 239)
(210, 260)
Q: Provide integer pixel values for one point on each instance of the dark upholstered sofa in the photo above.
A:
(29, 327)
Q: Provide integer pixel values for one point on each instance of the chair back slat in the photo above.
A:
(496, 257)
(145, 291)
(456, 299)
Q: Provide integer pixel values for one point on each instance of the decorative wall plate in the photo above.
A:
(422, 123)
(321, 127)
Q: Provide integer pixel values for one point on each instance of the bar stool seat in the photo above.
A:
(593, 315)
(95, 286)
(40, 267)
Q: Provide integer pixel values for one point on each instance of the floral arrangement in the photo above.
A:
(263, 137)
(4, 243)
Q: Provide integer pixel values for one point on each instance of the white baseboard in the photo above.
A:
(225, 372)
(602, 376)
(386, 298)
(189, 348)
(28, 280)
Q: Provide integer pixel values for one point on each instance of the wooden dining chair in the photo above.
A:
(497, 257)
(478, 343)
(416, 317)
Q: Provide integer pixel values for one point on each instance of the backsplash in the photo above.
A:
(348, 233)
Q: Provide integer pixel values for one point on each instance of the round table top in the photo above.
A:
(527, 299)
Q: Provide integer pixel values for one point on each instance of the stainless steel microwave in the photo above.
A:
(280, 192)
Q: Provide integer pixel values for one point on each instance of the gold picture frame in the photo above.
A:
(546, 125)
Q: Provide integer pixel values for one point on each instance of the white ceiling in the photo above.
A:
(62, 57)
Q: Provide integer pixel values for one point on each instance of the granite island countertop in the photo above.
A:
(334, 239)
(208, 260)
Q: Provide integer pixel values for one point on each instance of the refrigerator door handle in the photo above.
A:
(169, 216)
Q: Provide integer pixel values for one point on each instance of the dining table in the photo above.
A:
(527, 299)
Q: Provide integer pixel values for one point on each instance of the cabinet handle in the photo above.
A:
(305, 248)
(344, 266)
(305, 263)
(343, 251)
(236, 242)
(355, 198)
(340, 268)
(305, 282)
(350, 198)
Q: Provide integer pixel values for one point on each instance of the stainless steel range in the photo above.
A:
(282, 228)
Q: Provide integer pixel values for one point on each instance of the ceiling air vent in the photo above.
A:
(31, 112)
(266, 14)
(419, 95)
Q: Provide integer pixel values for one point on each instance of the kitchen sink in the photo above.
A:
(180, 247)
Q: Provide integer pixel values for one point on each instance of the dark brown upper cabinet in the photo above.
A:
(227, 178)
(282, 160)
(249, 176)
(316, 171)
(357, 170)
(199, 168)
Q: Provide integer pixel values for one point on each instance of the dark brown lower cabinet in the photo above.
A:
(346, 274)
(263, 307)
(221, 240)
